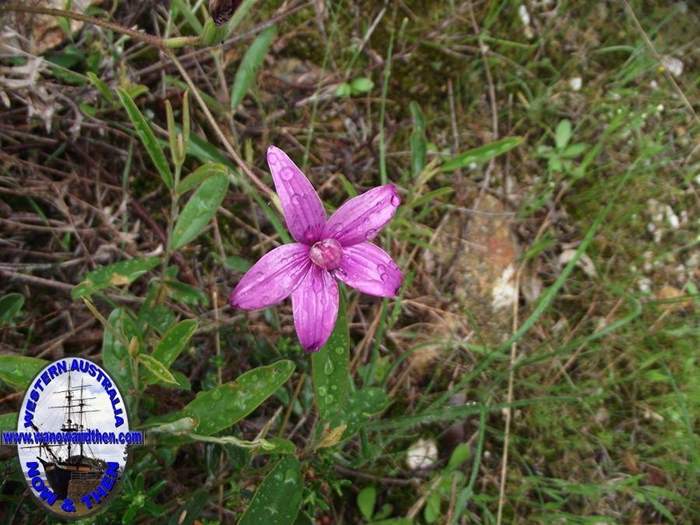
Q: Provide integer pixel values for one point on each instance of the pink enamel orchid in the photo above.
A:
(326, 250)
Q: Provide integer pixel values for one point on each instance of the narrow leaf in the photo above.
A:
(174, 342)
(156, 368)
(419, 145)
(199, 175)
(562, 135)
(331, 370)
(148, 138)
(17, 371)
(225, 405)
(199, 210)
(278, 498)
(101, 86)
(10, 306)
(252, 60)
(117, 274)
(482, 153)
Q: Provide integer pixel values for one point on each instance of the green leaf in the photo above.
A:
(278, 498)
(432, 508)
(174, 342)
(252, 60)
(8, 421)
(343, 90)
(117, 274)
(10, 306)
(361, 85)
(459, 455)
(226, 404)
(237, 264)
(366, 500)
(574, 151)
(199, 175)
(156, 368)
(562, 134)
(101, 87)
(186, 294)
(331, 370)
(361, 406)
(419, 145)
(145, 133)
(17, 371)
(199, 210)
(482, 153)
(115, 356)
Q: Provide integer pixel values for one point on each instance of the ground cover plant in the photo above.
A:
(538, 362)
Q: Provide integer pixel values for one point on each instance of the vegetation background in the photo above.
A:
(541, 364)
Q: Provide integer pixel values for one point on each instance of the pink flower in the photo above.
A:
(326, 250)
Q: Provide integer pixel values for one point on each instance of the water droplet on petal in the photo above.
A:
(381, 268)
(369, 234)
(296, 198)
(384, 277)
(287, 173)
(395, 200)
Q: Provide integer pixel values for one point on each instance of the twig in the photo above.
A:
(509, 401)
(61, 13)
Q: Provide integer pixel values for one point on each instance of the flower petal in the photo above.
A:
(272, 278)
(370, 269)
(303, 210)
(315, 308)
(361, 218)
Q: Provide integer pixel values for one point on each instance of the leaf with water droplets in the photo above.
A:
(331, 369)
(226, 404)
(117, 274)
(278, 498)
(199, 210)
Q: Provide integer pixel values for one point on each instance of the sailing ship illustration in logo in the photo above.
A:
(77, 430)
(70, 474)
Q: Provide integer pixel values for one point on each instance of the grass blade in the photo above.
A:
(148, 138)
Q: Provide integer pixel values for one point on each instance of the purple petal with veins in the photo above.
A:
(276, 275)
(315, 308)
(361, 218)
(303, 210)
(368, 268)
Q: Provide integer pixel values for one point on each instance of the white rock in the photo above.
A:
(504, 293)
(673, 65)
(421, 454)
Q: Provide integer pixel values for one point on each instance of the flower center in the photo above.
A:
(327, 254)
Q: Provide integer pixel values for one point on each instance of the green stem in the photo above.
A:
(136, 35)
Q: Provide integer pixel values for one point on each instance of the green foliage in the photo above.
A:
(148, 138)
(18, 370)
(117, 274)
(10, 306)
(366, 499)
(482, 154)
(199, 210)
(225, 405)
(278, 498)
(252, 60)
